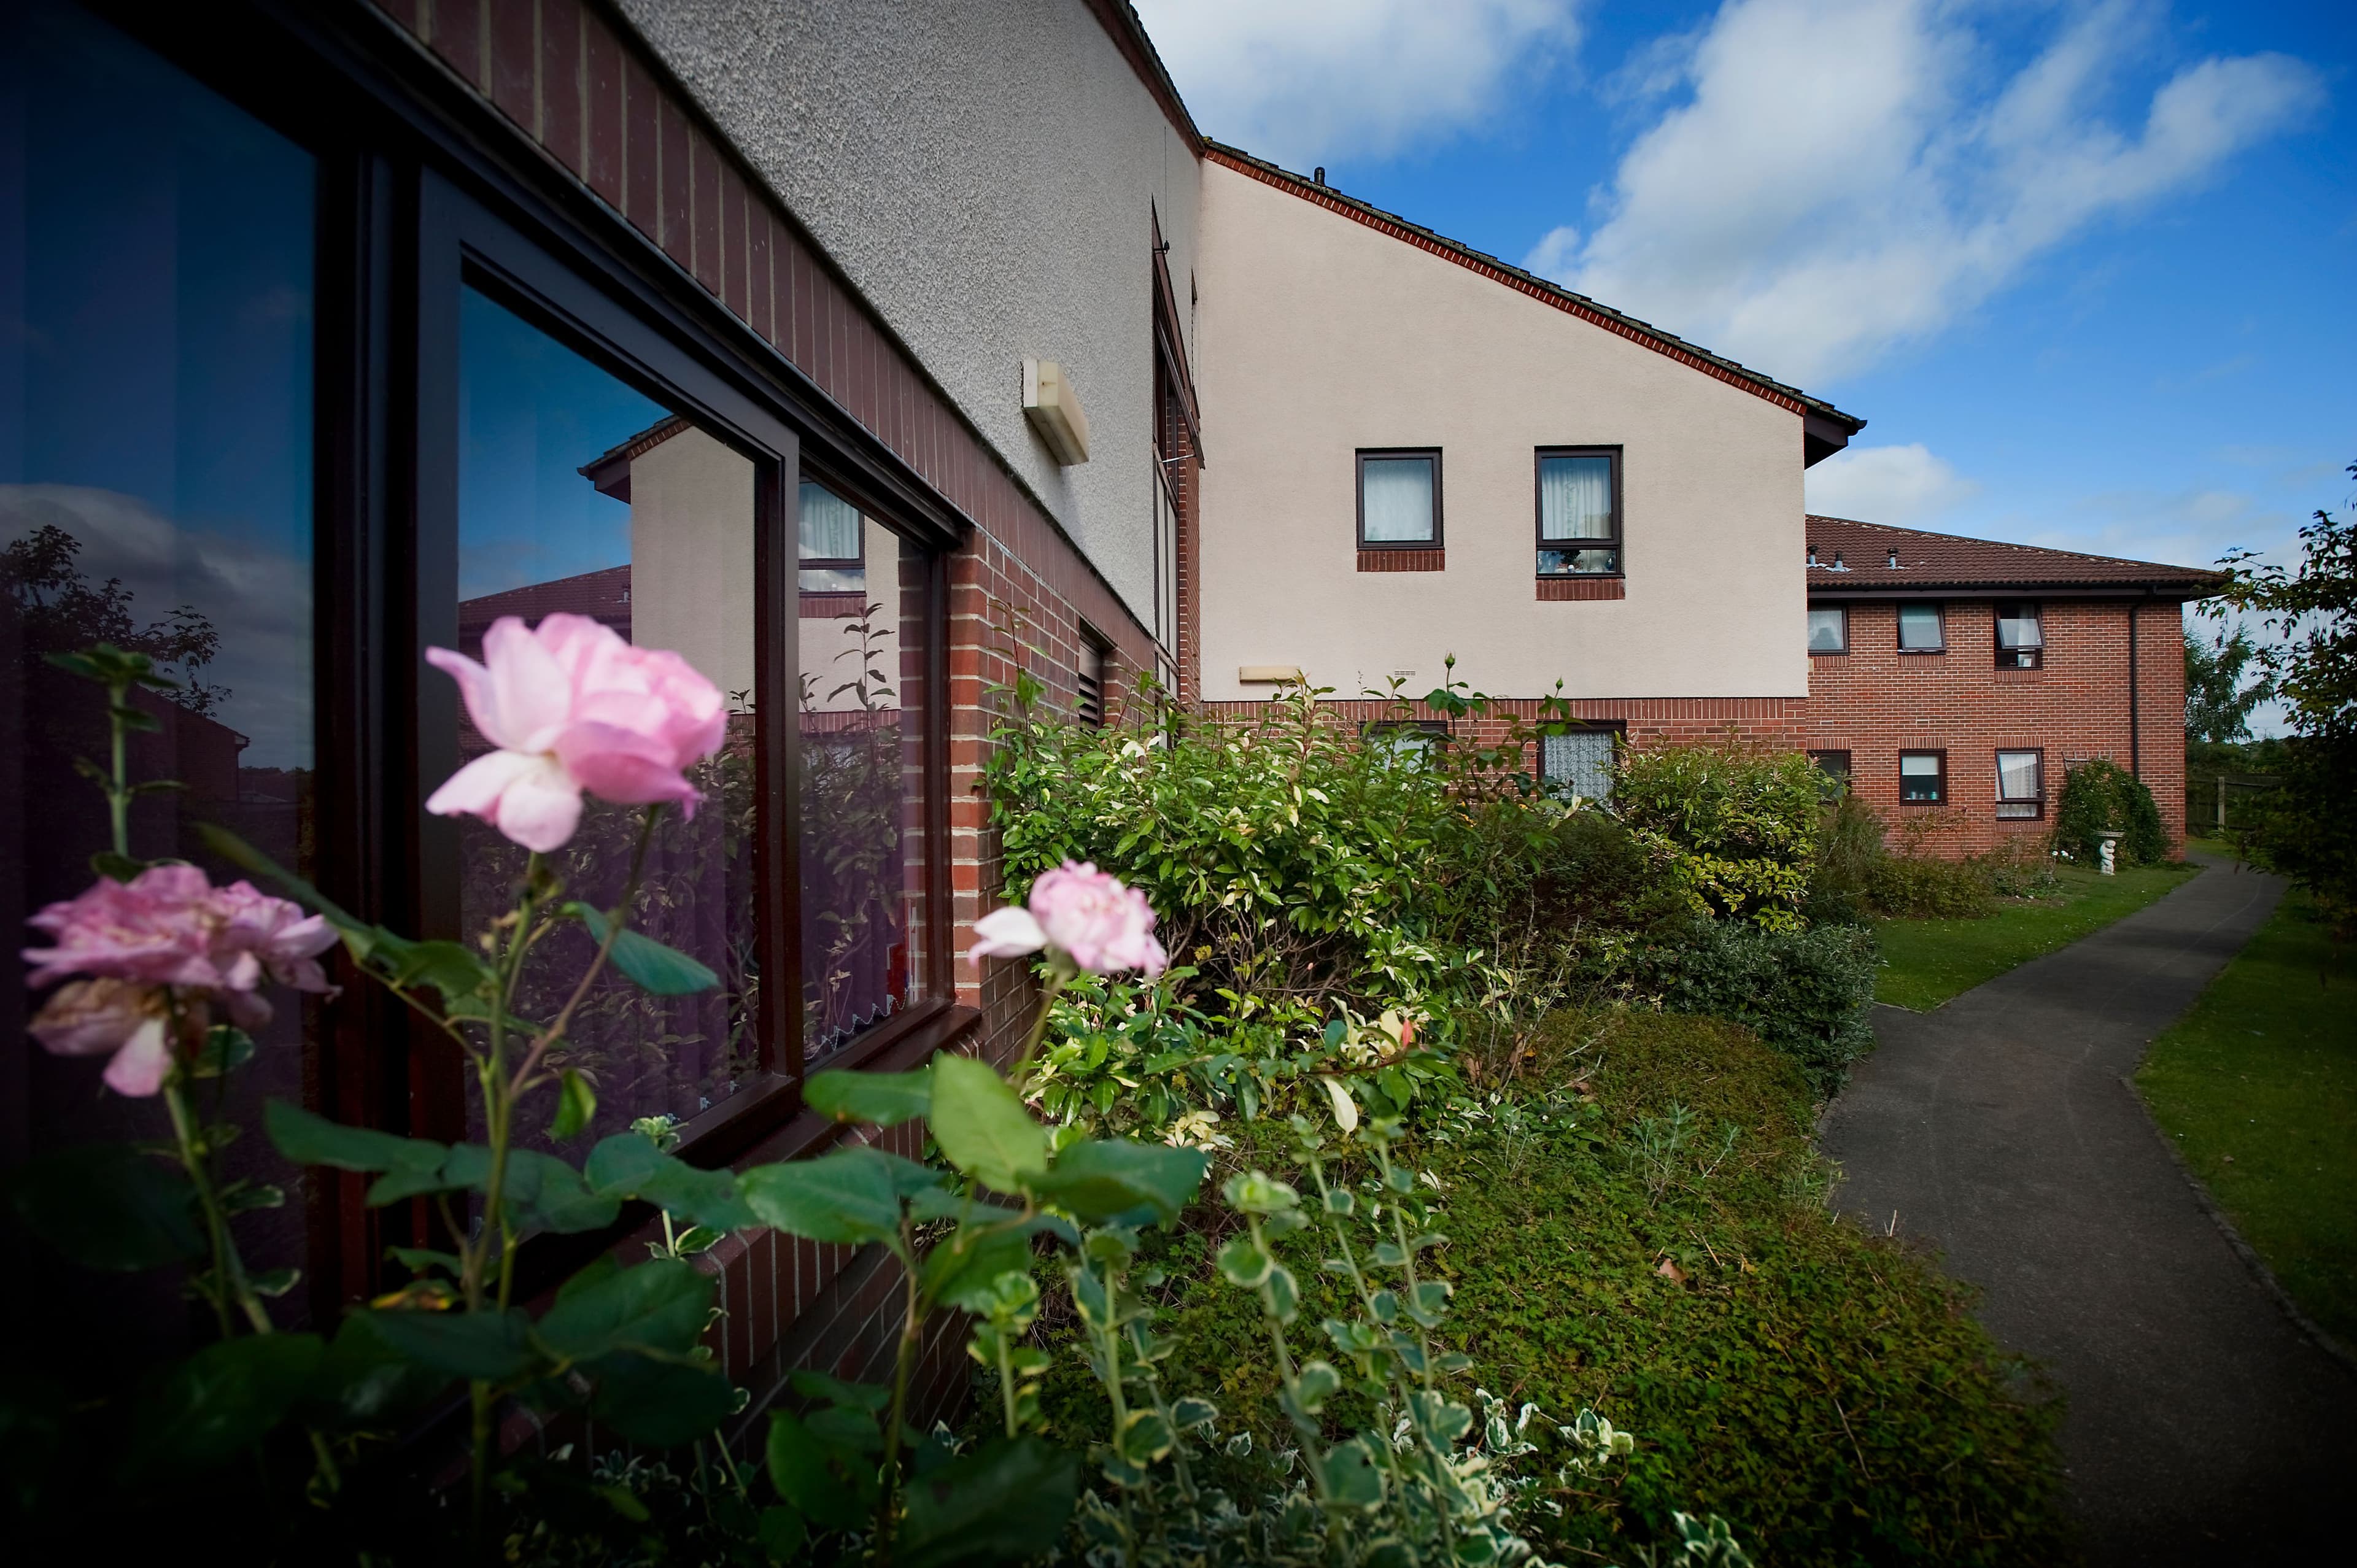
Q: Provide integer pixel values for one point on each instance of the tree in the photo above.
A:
(59, 610)
(2307, 832)
(2218, 705)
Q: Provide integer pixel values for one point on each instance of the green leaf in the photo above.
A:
(1314, 1384)
(222, 1402)
(451, 968)
(309, 1140)
(1102, 1179)
(1280, 1294)
(981, 1126)
(419, 1259)
(120, 868)
(963, 1267)
(828, 1483)
(655, 969)
(576, 1106)
(880, 1099)
(698, 1238)
(783, 1532)
(1243, 1262)
(852, 1195)
(659, 1402)
(365, 1382)
(107, 1206)
(492, 1346)
(541, 1193)
(275, 1283)
(661, 1304)
(869, 1397)
(1352, 1477)
(239, 1199)
(1143, 1437)
(1191, 1413)
(629, 1166)
(226, 1048)
(1006, 1502)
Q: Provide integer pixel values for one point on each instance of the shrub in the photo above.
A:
(1849, 846)
(1737, 825)
(1804, 992)
(2099, 796)
(2307, 830)
(1927, 887)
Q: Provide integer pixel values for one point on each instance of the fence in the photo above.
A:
(2218, 803)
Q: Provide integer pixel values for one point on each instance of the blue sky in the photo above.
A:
(2087, 267)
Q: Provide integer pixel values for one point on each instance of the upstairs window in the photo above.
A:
(2020, 639)
(1920, 629)
(1829, 628)
(1923, 777)
(1578, 511)
(2020, 785)
(1579, 762)
(834, 543)
(1399, 499)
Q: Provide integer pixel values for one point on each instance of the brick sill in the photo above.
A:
(1561, 589)
(1430, 560)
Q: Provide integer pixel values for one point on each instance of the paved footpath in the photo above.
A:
(2202, 1425)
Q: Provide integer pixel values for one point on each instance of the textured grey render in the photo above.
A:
(987, 172)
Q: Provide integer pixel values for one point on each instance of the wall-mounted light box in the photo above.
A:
(1054, 411)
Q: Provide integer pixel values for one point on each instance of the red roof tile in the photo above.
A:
(1864, 552)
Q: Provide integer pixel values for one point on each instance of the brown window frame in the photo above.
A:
(1899, 627)
(1842, 611)
(1940, 752)
(2036, 804)
(2011, 658)
(1539, 455)
(1359, 483)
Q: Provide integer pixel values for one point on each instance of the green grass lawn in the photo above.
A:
(1924, 962)
(2257, 1087)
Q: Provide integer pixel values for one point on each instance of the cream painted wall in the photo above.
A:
(691, 555)
(831, 657)
(1320, 336)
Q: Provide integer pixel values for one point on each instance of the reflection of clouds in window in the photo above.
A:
(256, 594)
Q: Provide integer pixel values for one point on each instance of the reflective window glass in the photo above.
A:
(1395, 500)
(1922, 777)
(156, 492)
(1828, 629)
(579, 495)
(862, 784)
(1919, 629)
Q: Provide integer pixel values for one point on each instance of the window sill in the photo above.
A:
(1560, 589)
(1922, 802)
(1921, 652)
(1428, 558)
(1829, 653)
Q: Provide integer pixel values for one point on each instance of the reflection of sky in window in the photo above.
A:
(531, 413)
(156, 285)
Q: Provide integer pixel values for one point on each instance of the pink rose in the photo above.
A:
(92, 1017)
(273, 934)
(1082, 912)
(571, 706)
(157, 927)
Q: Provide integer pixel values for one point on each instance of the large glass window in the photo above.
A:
(1919, 630)
(863, 755)
(2020, 639)
(1580, 513)
(1923, 777)
(579, 495)
(156, 492)
(2020, 785)
(1399, 499)
(1829, 628)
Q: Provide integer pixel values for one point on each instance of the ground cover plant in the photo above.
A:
(1637, 1226)
(2256, 1086)
(1925, 962)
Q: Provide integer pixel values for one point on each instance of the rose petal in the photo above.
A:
(1010, 932)
(533, 689)
(138, 1068)
(541, 808)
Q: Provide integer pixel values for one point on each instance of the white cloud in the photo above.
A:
(1555, 254)
(1901, 486)
(1849, 174)
(1310, 81)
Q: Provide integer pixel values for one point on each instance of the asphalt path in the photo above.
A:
(2202, 1425)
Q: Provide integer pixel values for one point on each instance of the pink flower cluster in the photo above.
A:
(571, 706)
(1082, 912)
(167, 927)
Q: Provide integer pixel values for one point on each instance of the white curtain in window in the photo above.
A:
(830, 525)
(1395, 494)
(1828, 630)
(1580, 762)
(2017, 776)
(1575, 498)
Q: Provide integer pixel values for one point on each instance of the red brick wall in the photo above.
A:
(1875, 702)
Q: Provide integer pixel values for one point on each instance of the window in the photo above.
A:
(2020, 639)
(156, 434)
(2020, 785)
(1834, 765)
(1580, 762)
(834, 543)
(1089, 680)
(862, 777)
(1399, 499)
(1406, 742)
(1579, 511)
(1923, 777)
(1920, 629)
(1829, 628)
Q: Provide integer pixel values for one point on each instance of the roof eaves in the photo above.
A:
(1120, 19)
(1669, 342)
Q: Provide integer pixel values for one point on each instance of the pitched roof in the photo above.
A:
(1852, 559)
(1839, 426)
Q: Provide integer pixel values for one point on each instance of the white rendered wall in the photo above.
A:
(985, 172)
(1320, 336)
